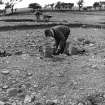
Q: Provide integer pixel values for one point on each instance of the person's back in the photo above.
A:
(61, 29)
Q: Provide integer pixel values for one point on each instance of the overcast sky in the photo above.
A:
(25, 3)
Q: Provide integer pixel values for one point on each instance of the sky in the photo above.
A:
(25, 3)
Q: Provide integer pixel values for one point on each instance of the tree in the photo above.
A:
(71, 5)
(11, 4)
(46, 6)
(96, 4)
(63, 5)
(67, 5)
(52, 6)
(80, 4)
(100, 5)
(35, 6)
(2, 9)
(58, 5)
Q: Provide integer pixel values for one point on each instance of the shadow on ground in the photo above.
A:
(26, 20)
(18, 20)
(101, 22)
(58, 59)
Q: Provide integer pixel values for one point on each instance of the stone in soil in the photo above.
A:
(12, 92)
(4, 99)
(103, 95)
(5, 87)
(18, 53)
(77, 51)
(5, 72)
(51, 102)
(14, 103)
(29, 74)
(80, 103)
(8, 104)
(21, 96)
(27, 99)
(38, 103)
(21, 90)
(33, 99)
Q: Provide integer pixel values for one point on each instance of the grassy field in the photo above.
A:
(28, 77)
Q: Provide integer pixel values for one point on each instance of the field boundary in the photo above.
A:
(43, 25)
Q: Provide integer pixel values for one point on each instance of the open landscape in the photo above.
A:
(30, 75)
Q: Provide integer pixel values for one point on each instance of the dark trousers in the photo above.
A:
(61, 44)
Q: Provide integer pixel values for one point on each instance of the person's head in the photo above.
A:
(48, 33)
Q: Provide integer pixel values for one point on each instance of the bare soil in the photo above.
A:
(28, 77)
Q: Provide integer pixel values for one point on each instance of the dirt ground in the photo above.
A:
(27, 77)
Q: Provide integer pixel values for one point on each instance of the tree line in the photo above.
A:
(62, 5)
(54, 6)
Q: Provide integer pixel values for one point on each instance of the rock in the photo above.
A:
(84, 25)
(86, 42)
(29, 74)
(18, 53)
(8, 104)
(94, 66)
(21, 96)
(5, 72)
(5, 87)
(38, 58)
(104, 95)
(25, 56)
(27, 99)
(14, 103)
(51, 102)
(76, 51)
(33, 98)
(55, 101)
(20, 90)
(87, 102)
(35, 85)
(80, 103)
(2, 53)
(21, 86)
(4, 99)
(81, 39)
(91, 44)
(12, 92)
(2, 103)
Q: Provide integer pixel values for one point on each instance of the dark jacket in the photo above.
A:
(61, 32)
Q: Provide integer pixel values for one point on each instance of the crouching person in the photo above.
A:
(60, 33)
